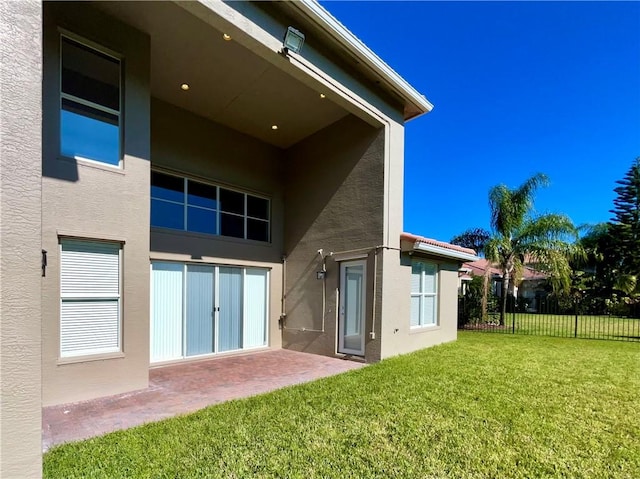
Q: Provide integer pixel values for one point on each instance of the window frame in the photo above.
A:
(422, 294)
(87, 298)
(102, 50)
(218, 209)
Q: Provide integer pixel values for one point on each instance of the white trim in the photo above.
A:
(444, 252)
(342, 35)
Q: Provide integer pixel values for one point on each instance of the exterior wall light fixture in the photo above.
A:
(293, 40)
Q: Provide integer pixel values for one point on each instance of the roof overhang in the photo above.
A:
(415, 104)
(417, 244)
(443, 252)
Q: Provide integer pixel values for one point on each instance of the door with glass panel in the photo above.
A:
(199, 309)
(352, 307)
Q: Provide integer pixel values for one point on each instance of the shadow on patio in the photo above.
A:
(185, 388)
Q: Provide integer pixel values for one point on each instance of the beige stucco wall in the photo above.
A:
(397, 336)
(333, 201)
(20, 200)
(93, 201)
(196, 147)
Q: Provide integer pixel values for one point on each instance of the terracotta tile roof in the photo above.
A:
(530, 273)
(478, 268)
(441, 244)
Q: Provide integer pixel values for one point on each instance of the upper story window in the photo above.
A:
(189, 205)
(424, 294)
(90, 103)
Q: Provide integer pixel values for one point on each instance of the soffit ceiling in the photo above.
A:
(228, 83)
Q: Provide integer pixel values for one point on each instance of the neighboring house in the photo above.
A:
(176, 185)
(529, 289)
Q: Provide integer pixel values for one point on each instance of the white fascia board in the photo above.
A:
(339, 32)
(444, 252)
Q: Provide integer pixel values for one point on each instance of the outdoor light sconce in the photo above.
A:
(44, 263)
(293, 40)
(321, 274)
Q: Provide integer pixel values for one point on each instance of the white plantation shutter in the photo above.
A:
(90, 298)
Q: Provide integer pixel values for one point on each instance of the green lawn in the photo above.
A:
(486, 406)
(593, 327)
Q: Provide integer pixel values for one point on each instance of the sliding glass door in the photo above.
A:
(199, 309)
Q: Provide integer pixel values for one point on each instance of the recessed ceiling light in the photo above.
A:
(274, 127)
(322, 95)
(226, 37)
(184, 86)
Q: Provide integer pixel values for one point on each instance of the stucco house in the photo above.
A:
(177, 183)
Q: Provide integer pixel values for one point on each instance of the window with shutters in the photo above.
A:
(89, 297)
(424, 293)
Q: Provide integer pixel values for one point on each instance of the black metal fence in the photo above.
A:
(552, 319)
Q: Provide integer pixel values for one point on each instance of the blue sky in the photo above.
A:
(518, 88)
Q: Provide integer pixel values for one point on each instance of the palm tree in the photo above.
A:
(518, 237)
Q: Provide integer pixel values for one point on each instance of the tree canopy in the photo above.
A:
(520, 237)
(625, 224)
(474, 238)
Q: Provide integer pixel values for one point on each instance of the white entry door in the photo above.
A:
(351, 330)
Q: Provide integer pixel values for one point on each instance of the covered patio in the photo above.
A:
(185, 388)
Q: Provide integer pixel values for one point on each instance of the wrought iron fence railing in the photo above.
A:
(552, 320)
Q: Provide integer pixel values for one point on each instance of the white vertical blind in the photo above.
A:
(230, 319)
(199, 314)
(255, 308)
(180, 290)
(415, 310)
(166, 311)
(429, 278)
(89, 298)
(429, 310)
(416, 277)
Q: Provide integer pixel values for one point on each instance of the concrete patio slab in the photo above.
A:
(185, 388)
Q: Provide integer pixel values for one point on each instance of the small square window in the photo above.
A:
(231, 225)
(257, 207)
(257, 230)
(231, 201)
